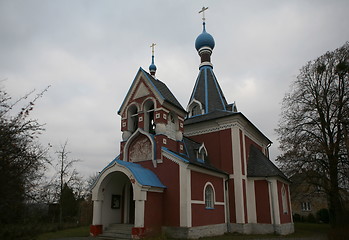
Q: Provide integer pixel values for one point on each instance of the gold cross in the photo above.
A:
(203, 13)
(152, 48)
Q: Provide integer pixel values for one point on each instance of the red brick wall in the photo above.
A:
(262, 201)
(245, 199)
(153, 218)
(218, 145)
(198, 181)
(201, 215)
(232, 201)
(168, 173)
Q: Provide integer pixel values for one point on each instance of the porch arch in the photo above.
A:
(120, 172)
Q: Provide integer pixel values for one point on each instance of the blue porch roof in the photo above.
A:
(143, 176)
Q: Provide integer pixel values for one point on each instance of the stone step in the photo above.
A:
(117, 231)
(115, 235)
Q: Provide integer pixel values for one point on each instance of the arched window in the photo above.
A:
(209, 197)
(284, 199)
(132, 118)
(149, 123)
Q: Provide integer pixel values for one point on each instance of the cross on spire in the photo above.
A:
(203, 13)
(152, 48)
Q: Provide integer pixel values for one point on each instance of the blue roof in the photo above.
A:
(204, 40)
(143, 176)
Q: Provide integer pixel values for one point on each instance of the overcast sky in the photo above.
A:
(90, 51)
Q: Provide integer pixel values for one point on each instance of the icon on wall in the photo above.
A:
(115, 201)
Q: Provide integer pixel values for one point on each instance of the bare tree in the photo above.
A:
(313, 130)
(67, 175)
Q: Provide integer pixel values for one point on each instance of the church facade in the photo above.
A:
(188, 173)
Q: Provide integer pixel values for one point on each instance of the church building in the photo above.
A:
(188, 173)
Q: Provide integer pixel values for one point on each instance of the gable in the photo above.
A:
(145, 85)
(140, 87)
(141, 91)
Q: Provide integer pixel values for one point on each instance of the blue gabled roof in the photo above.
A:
(143, 176)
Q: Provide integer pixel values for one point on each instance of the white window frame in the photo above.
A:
(209, 199)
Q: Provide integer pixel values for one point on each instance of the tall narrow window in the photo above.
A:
(284, 200)
(132, 118)
(209, 197)
(149, 124)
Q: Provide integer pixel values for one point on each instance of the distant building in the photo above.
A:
(192, 172)
(306, 198)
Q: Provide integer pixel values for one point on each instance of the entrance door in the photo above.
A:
(128, 205)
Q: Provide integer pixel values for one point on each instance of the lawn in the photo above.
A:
(70, 232)
(302, 230)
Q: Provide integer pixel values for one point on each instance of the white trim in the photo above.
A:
(207, 130)
(274, 201)
(97, 212)
(139, 213)
(213, 191)
(189, 108)
(146, 100)
(205, 64)
(251, 201)
(203, 202)
(172, 158)
(133, 88)
(198, 202)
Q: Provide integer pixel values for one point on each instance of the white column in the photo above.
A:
(251, 202)
(185, 196)
(97, 212)
(274, 201)
(139, 213)
(239, 196)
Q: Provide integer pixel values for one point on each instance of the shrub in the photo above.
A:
(323, 216)
(311, 218)
(296, 217)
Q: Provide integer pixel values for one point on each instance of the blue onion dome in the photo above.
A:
(204, 40)
(152, 67)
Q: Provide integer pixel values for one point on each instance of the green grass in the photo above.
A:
(302, 230)
(71, 232)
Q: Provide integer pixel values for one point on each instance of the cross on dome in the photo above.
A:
(203, 13)
(152, 48)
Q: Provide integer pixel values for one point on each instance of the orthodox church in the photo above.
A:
(189, 173)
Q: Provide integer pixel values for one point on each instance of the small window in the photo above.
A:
(195, 110)
(306, 206)
(209, 197)
(201, 153)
